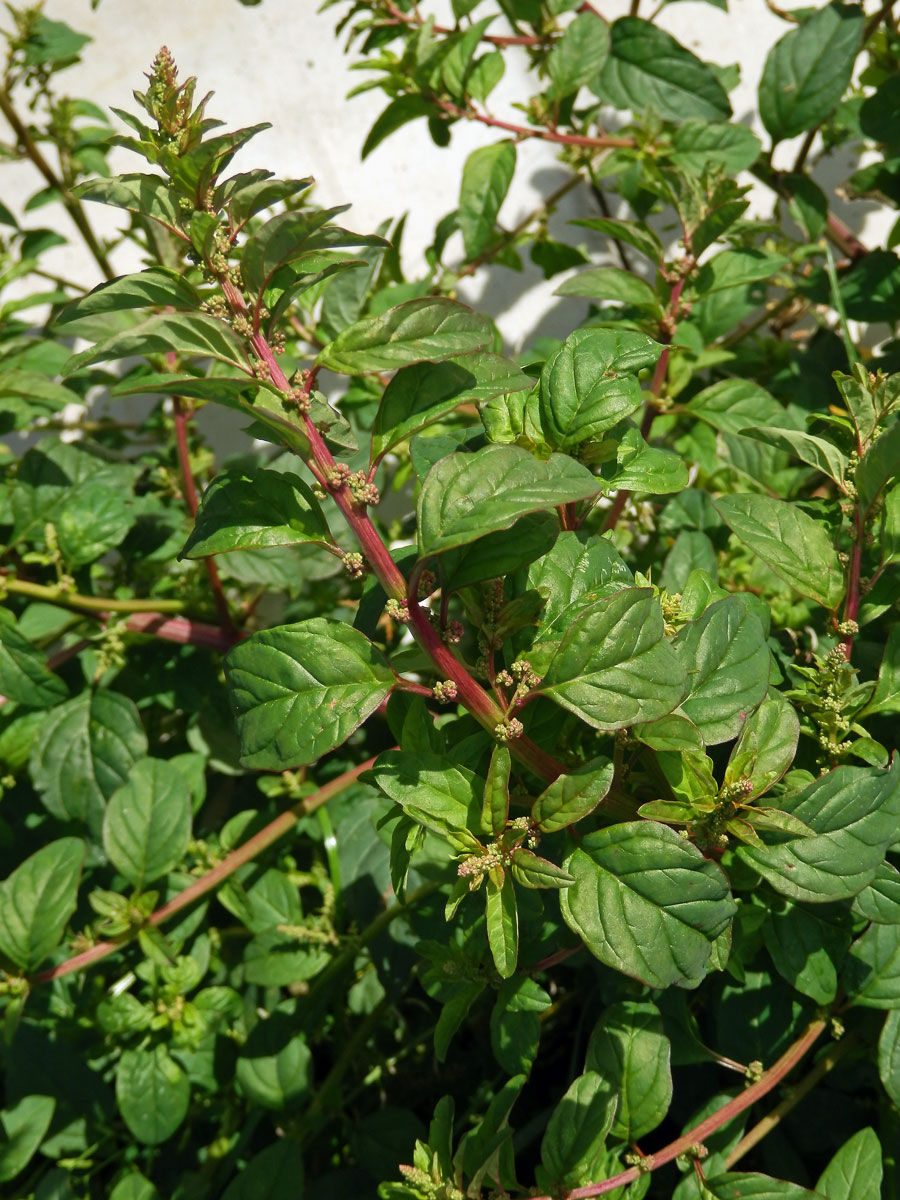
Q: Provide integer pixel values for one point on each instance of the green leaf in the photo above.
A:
(153, 1094)
(515, 1024)
(500, 553)
(855, 1171)
(738, 1185)
(147, 826)
(398, 113)
(274, 1069)
(880, 465)
(276, 1173)
(886, 697)
(144, 195)
(92, 520)
(806, 951)
(442, 797)
(575, 573)
(578, 57)
(726, 659)
(502, 924)
(192, 335)
(672, 732)
(630, 1051)
(698, 144)
(614, 667)
(611, 283)
(465, 496)
(134, 1186)
(646, 903)
(808, 70)
(571, 797)
(486, 176)
(647, 68)
(733, 405)
(51, 41)
(457, 63)
(301, 239)
(816, 451)
(889, 1055)
(639, 237)
(25, 1125)
(735, 268)
(83, 752)
(572, 1146)
(797, 547)
(300, 690)
(36, 901)
(154, 288)
(423, 393)
(880, 901)
(643, 468)
(429, 329)
(853, 812)
(248, 510)
(765, 748)
(591, 383)
(872, 976)
(495, 808)
(532, 871)
(24, 674)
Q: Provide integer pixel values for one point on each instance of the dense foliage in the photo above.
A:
(482, 785)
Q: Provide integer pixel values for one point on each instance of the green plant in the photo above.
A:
(561, 812)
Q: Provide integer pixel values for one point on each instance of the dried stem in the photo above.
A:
(769, 1080)
(220, 872)
(755, 1135)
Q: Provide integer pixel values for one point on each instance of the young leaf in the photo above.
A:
(765, 748)
(36, 901)
(486, 177)
(646, 903)
(726, 659)
(465, 496)
(147, 825)
(300, 690)
(797, 547)
(495, 808)
(630, 1051)
(502, 924)
(614, 666)
(807, 72)
(647, 68)
(428, 329)
(572, 1146)
(571, 797)
(591, 383)
(532, 871)
(83, 752)
(853, 812)
(398, 113)
(643, 468)
(248, 510)
(153, 1094)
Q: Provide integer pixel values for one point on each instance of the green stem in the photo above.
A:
(220, 872)
(100, 604)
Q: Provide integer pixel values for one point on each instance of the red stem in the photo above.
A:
(601, 141)
(720, 1117)
(183, 631)
(237, 858)
(322, 464)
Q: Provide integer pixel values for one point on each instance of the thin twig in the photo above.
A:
(219, 873)
(99, 604)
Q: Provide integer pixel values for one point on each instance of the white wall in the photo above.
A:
(281, 62)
